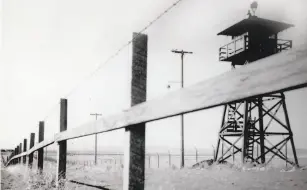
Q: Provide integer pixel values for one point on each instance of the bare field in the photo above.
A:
(104, 176)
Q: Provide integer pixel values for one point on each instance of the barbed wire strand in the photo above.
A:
(125, 45)
(116, 53)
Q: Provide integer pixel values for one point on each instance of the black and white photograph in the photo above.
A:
(153, 94)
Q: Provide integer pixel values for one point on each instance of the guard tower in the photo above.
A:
(257, 128)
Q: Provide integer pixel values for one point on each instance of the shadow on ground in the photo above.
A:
(89, 185)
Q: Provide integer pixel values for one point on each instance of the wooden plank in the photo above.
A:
(134, 167)
(62, 146)
(14, 158)
(40, 156)
(280, 72)
(42, 144)
(36, 147)
(32, 139)
(20, 155)
(24, 151)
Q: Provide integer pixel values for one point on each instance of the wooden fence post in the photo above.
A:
(24, 149)
(20, 151)
(15, 153)
(62, 146)
(32, 139)
(12, 155)
(134, 164)
(40, 156)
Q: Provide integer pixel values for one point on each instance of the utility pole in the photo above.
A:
(182, 53)
(96, 116)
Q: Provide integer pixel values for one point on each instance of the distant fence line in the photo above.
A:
(157, 156)
(240, 84)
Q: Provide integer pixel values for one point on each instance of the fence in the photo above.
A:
(252, 80)
(152, 160)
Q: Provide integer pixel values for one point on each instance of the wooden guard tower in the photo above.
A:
(258, 127)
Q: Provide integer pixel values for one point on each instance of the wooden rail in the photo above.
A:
(278, 73)
(226, 52)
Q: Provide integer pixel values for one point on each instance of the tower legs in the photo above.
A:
(289, 128)
(254, 123)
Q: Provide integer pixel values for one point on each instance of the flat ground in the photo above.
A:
(213, 177)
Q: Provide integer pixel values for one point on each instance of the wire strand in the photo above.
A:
(116, 53)
(124, 46)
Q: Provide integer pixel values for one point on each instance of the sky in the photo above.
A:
(50, 49)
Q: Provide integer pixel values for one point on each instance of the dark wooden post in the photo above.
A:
(12, 155)
(134, 166)
(20, 151)
(32, 139)
(24, 149)
(15, 153)
(62, 145)
(40, 156)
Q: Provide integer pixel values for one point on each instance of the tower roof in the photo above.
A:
(254, 23)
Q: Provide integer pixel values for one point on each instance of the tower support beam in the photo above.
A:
(289, 128)
(250, 125)
(261, 130)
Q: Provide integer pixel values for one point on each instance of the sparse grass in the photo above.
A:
(225, 176)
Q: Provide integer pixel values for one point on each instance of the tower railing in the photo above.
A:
(242, 43)
(283, 44)
(237, 46)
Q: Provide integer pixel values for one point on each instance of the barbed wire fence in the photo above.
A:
(116, 160)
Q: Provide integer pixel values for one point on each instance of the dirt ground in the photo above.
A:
(214, 177)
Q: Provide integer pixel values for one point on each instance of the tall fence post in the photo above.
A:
(32, 139)
(13, 161)
(17, 150)
(62, 145)
(15, 153)
(20, 151)
(24, 150)
(134, 167)
(40, 156)
(12, 155)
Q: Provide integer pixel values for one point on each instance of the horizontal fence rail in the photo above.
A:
(278, 73)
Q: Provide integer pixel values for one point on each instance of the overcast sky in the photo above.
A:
(49, 48)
